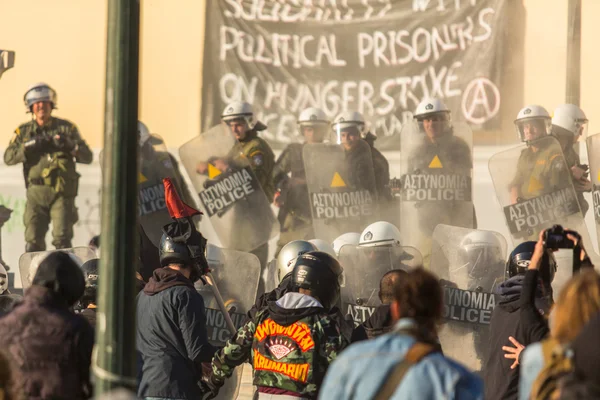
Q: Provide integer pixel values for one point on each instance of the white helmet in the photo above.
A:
(530, 114)
(323, 246)
(480, 250)
(380, 233)
(431, 106)
(3, 279)
(39, 92)
(571, 118)
(143, 133)
(349, 119)
(239, 110)
(312, 116)
(350, 238)
(289, 253)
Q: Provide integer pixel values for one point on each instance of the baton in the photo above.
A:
(220, 302)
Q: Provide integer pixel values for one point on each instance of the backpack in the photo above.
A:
(557, 364)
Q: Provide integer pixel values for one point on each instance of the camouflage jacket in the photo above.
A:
(290, 344)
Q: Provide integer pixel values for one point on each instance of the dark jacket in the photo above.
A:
(379, 323)
(50, 346)
(90, 315)
(513, 316)
(171, 337)
(362, 173)
(381, 168)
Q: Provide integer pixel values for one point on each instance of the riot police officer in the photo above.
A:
(569, 124)
(348, 127)
(534, 123)
(292, 193)
(239, 117)
(48, 147)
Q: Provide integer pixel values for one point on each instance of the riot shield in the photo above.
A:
(29, 262)
(342, 190)
(470, 264)
(230, 194)
(534, 188)
(363, 269)
(435, 182)
(236, 275)
(155, 163)
(593, 149)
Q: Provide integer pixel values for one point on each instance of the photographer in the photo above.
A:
(515, 320)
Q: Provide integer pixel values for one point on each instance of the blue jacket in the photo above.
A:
(361, 369)
(532, 363)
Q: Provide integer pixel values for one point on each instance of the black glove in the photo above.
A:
(39, 144)
(209, 387)
(63, 143)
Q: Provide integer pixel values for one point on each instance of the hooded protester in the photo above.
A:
(520, 315)
(171, 320)
(50, 345)
(293, 340)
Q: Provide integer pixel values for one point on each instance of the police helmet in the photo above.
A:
(350, 238)
(380, 233)
(520, 258)
(536, 115)
(3, 279)
(39, 92)
(571, 118)
(314, 118)
(429, 107)
(323, 246)
(287, 255)
(239, 110)
(480, 250)
(348, 120)
(321, 274)
(90, 272)
(143, 133)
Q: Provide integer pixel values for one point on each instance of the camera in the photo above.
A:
(556, 238)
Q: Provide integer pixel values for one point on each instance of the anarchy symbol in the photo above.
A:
(481, 101)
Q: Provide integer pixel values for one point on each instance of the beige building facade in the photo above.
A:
(63, 43)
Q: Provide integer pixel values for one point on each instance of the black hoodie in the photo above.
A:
(379, 323)
(513, 316)
(171, 337)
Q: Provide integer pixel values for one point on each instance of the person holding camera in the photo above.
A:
(48, 147)
(521, 316)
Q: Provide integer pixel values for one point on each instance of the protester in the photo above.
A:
(7, 391)
(579, 301)
(515, 319)
(293, 340)
(171, 320)
(405, 363)
(51, 346)
(584, 380)
(381, 321)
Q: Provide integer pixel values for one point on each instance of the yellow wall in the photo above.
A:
(62, 42)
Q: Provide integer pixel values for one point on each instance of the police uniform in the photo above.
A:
(572, 159)
(362, 173)
(288, 358)
(294, 216)
(51, 180)
(381, 167)
(540, 172)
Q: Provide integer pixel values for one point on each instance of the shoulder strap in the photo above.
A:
(415, 354)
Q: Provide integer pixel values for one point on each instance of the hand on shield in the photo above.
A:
(577, 172)
(582, 185)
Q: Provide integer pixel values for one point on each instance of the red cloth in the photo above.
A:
(177, 208)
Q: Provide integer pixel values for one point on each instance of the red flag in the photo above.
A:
(177, 208)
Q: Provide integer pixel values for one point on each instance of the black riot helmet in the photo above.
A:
(519, 260)
(90, 273)
(321, 274)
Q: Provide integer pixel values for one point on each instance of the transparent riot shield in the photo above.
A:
(230, 194)
(435, 187)
(29, 262)
(363, 269)
(470, 264)
(155, 164)
(236, 275)
(534, 188)
(593, 149)
(341, 186)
